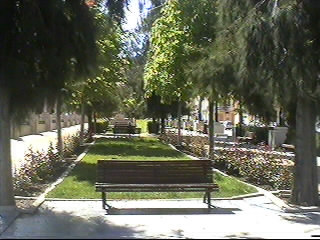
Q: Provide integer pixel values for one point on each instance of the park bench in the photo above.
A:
(126, 127)
(155, 176)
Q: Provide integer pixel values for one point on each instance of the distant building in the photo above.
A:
(226, 112)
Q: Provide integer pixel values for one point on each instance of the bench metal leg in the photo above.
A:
(209, 199)
(104, 201)
(105, 205)
(205, 198)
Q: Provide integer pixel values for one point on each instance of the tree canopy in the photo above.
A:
(164, 72)
(36, 61)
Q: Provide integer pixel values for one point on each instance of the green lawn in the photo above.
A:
(143, 124)
(80, 183)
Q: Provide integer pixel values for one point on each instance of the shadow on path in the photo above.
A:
(171, 211)
(46, 223)
(305, 218)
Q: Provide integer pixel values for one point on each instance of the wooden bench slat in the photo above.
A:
(155, 176)
(158, 185)
(164, 161)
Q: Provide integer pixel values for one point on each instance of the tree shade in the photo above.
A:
(43, 45)
(273, 53)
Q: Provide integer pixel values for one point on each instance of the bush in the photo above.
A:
(43, 167)
(240, 132)
(39, 167)
(260, 133)
(153, 127)
(102, 126)
(259, 166)
(71, 144)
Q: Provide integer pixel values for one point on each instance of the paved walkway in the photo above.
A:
(37, 142)
(250, 218)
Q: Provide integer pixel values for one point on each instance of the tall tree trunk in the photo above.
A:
(90, 123)
(305, 185)
(179, 122)
(82, 123)
(241, 119)
(216, 112)
(200, 109)
(94, 122)
(163, 125)
(6, 184)
(59, 131)
(291, 120)
(281, 118)
(211, 128)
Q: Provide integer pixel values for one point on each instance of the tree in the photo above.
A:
(275, 48)
(99, 94)
(159, 110)
(200, 17)
(36, 62)
(164, 72)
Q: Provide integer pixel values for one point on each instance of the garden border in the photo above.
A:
(261, 192)
(41, 198)
(250, 195)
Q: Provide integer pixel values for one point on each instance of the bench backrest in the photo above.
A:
(154, 172)
(123, 123)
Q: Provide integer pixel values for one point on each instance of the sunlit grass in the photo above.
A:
(143, 124)
(80, 183)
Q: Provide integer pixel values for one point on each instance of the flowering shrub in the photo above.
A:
(71, 143)
(259, 165)
(42, 167)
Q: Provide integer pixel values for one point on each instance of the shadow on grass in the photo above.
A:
(49, 223)
(85, 172)
(128, 147)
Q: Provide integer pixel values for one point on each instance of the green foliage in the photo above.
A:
(143, 125)
(260, 133)
(133, 107)
(157, 109)
(153, 127)
(99, 93)
(36, 62)
(164, 73)
(102, 126)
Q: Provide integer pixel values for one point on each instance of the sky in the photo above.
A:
(133, 14)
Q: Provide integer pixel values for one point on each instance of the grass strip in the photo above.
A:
(80, 183)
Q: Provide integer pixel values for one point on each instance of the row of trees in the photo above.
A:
(262, 53)
(62, 53)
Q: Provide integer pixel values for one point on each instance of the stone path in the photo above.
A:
(249, 218)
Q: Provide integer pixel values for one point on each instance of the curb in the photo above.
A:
(40, 199)
(7, 218)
